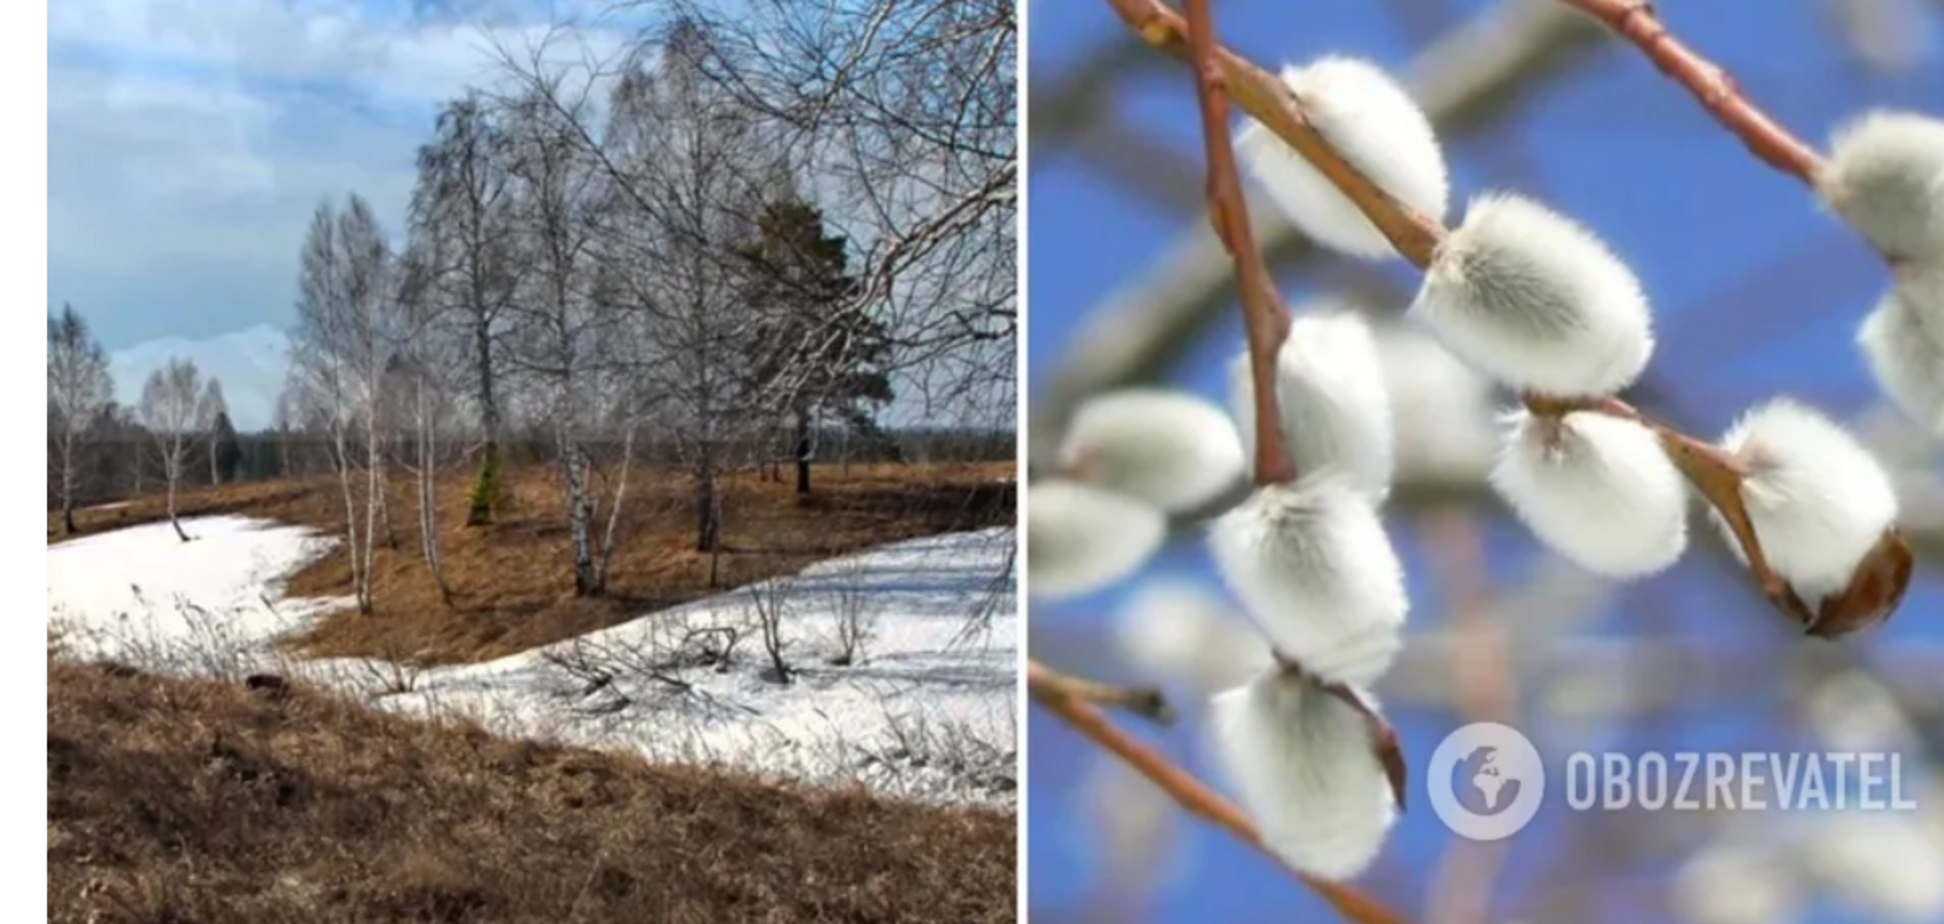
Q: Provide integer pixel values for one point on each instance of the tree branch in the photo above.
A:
(1465, 81)
(1147, 702)
(1264, 315)
(1190, 793)
(1881, 579)
(1712, 87)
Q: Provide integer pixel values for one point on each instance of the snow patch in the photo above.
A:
(924, 709)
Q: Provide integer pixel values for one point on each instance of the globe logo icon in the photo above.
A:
(1481, 784)
(1485, 781)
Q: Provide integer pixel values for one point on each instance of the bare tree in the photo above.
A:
(168, 411)
(212, 408)
(78, 390)
(561, 322)
(339, 354)
(462, 211)
(768, 602)
(420, 368)
(905, 112)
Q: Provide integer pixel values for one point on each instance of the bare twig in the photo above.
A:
(1264, 315)
(1263, 96)
(1466, 81)
(1713, 88)
(1146, 702)
(1189, 792)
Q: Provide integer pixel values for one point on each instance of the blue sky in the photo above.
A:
(189, 141)
(1756, 294)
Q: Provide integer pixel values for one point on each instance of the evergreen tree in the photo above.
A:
(815, 351)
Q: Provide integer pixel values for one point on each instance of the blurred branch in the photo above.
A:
(1191, 793)
(1636, 21)
(1147, 702)
(1466, 82)
(1484, 689)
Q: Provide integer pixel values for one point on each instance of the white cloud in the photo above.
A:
(250, 364)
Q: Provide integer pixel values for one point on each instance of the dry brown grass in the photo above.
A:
(187, 800)
(513, 581)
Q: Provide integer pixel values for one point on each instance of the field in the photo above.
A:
(524, 755)
(197, 800)
(513, 580)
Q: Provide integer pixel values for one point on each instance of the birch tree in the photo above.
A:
(420, 367)
(78, 390)
(168, 412)
(339, 354)
(561, 324)
(688, 164)
(212, 417)
(462, 209)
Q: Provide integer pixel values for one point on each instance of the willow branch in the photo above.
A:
(1262, 96)
(1147, 702)
(1467, 80)
(1264, 315)
(1711, 86)
(1715, 475)
(1181, 786)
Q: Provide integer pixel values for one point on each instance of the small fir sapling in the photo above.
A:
(1378, 129)
(1081, 538)
(1597, 489)
(1535, 300)
(1331, 399)
(1314, 569)
(1818, 501)
(1168, 448)
(1303, 765)
(1885, 177)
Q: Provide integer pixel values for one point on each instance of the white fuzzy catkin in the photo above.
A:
(1903, 344)
(1441, 409)
(1302, 765)
(1885, 177)
(1315, 571)
(1817, 499)
(1080, 538)
(1377, 128)
(1330, 397)
(1180, 631)
(1169, 448)
(1597, 489)
(1535, 300)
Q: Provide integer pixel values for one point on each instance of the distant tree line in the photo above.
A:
(98, 449)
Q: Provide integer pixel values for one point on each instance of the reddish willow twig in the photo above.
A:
(1264, 315)
(1147, 702)
(1878, 585)
(1055, 693)
(1636, 21)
